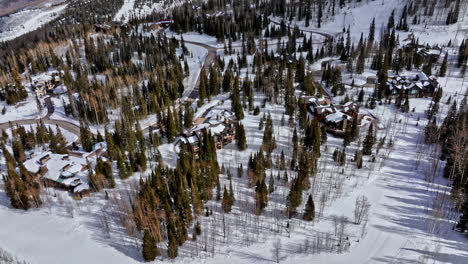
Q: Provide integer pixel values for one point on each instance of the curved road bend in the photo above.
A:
(212, 52)
(192, 93)
(71, 127)
(326, 35)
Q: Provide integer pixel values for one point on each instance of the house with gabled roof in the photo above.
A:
(53, 170)
(221, 124)
(418, 85)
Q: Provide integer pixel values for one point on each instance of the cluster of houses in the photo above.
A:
(427, 52)
(64, 171)
(47, 83)
(59, 171)
(221, 124)
(109, 26)
(335, 117)
(419, 85)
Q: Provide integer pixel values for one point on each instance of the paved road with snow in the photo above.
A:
(71, 127)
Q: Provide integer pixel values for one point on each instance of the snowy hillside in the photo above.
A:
(240, 132)
(140, 9)
(27, 20)
(359, 15)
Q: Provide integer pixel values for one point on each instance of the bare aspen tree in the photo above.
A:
(306, 245)
(341, 233)
(104, 221)
(276, 250)
(323, 201)
(335, 223)
(69, 209)
(361, 209)
(7, 258)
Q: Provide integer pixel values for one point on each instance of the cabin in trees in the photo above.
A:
(165, 22)
(221, 125)
(336, 118)
(104, 28)
(59, 171)
(46, 83)
(318, 107)
(427, 52)
(337, 122)
(414, 86)
(371, 81)
(108, 27)
(430, 54)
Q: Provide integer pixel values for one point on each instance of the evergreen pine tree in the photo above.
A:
(240, 136)
(369, 141)
(261, 198)
(226, 203)
(86, 137)
(150, 251)
(309, 213)
(271, 184)
(443, 67)
(171, 129)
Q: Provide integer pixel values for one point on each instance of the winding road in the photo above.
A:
(191, 93)
(69, 126)
(327, 36)
(212, 52)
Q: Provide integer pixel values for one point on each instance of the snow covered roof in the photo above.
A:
(422, 76)
(42, 78)
(336, 117)
(181, 139)
(324, 109)
(73, 181)
(219, 115)
(32, 165)
(60, 89)
(100, 145)
(81, 187)
(214, 122)
(192, 139)
(216, 130)
(200, 127)
(420, 80)
(55, 164)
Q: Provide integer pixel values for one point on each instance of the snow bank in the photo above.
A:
(29, 20)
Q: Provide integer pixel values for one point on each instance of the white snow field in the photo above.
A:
(26, 109)
(129, 9)
(408, 222)
(68, 136)
(125, 11)
(29, 20)
(358, 17)
(401, 228)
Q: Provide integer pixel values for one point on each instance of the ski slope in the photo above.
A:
(28, 20)
(125, 11)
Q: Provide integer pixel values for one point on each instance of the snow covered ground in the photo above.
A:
(28, 20)
(26, 109)
(69, 137)
(59, 110)
(129, 9)
(404, 225)
(197, 37)
(195, 62)
(125, 11)
(359, 15)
